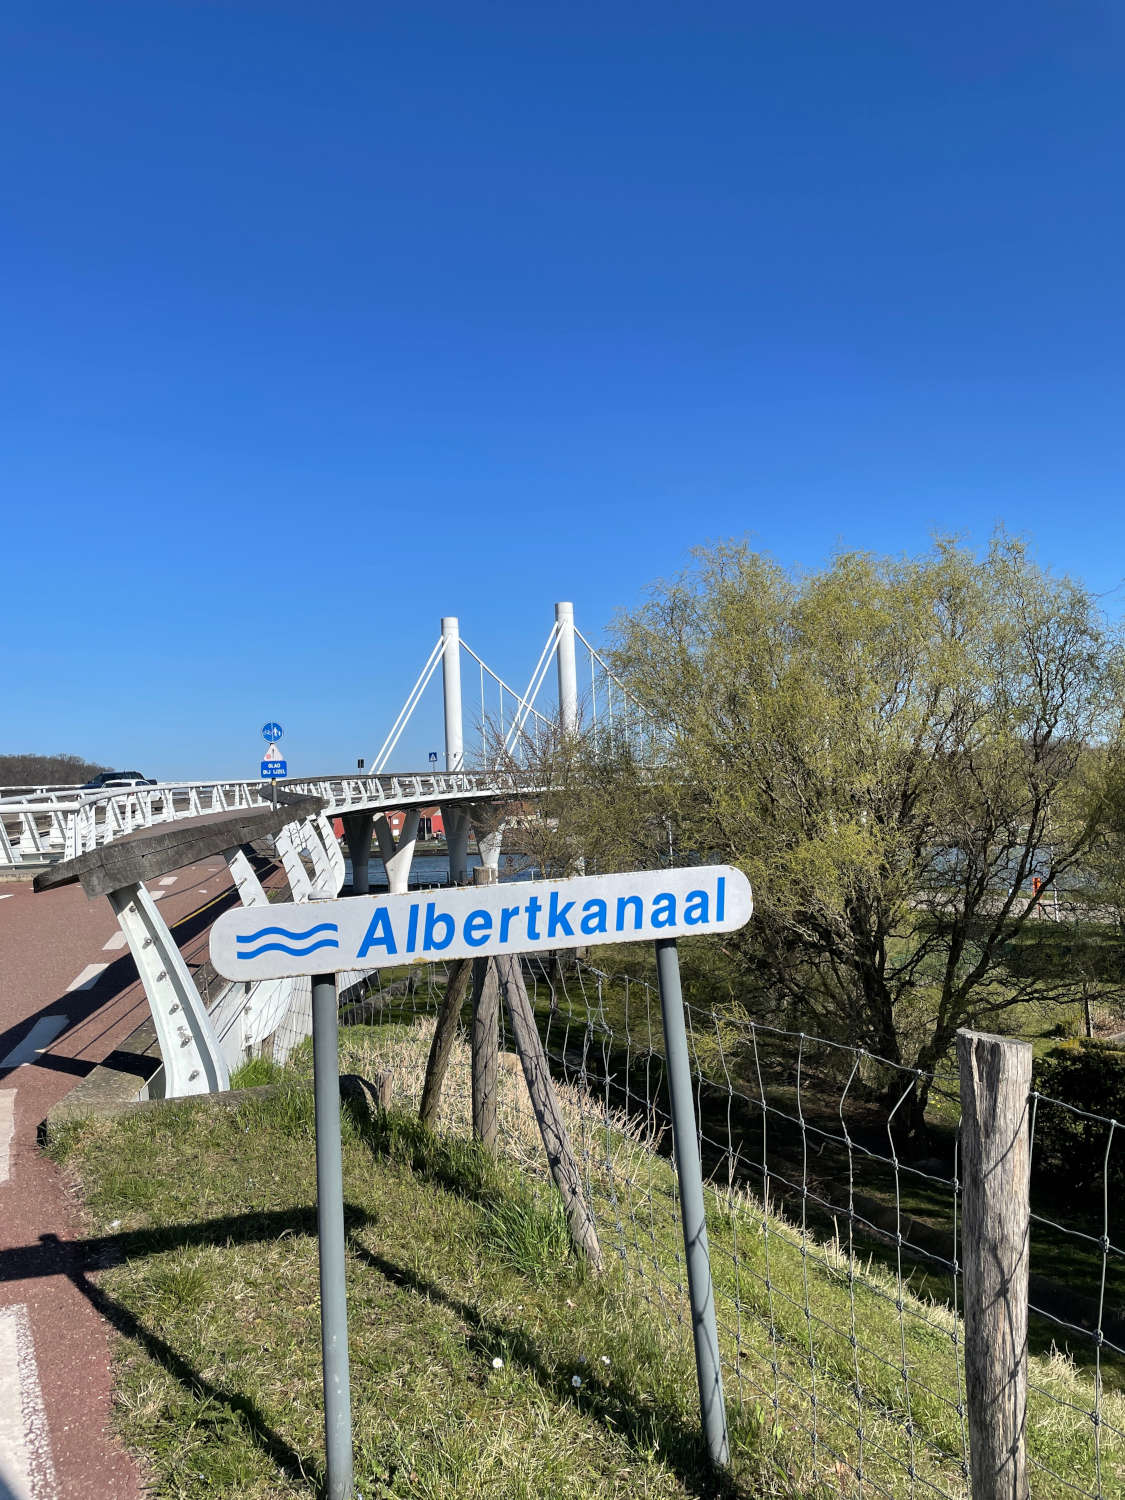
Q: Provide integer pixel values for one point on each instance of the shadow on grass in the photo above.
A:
(465, 1170)
(459, 1166)
(77, 1259)
(609, 1401)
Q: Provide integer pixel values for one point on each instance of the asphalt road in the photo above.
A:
(69, 994)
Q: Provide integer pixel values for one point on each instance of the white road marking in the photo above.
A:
(87, 979)
(37, 1040)
(7, 1129)
(118, 940)
(7, 896)
(168, 879)
(26, 1470)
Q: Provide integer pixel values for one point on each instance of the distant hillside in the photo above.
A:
(47, 770)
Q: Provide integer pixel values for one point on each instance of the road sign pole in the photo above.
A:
(272, 764)
(700, 1290)
(330, 1229)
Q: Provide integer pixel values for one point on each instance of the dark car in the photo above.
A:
(107, 780)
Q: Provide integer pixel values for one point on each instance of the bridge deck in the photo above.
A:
(149, 853)
(52, 825)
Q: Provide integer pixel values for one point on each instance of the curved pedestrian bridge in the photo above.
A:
(64, 822)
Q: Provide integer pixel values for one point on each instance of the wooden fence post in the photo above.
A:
(556, 1142)
(485, 1050)
(995, 1224)
(442, 1045)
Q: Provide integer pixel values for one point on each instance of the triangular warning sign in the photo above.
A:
(272, 753)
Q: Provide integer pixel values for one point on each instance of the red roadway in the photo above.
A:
(47, 942)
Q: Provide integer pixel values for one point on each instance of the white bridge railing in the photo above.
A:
(64, 822)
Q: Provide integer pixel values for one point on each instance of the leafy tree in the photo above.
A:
(893, 749)
(1073, 1151)
(597, 801)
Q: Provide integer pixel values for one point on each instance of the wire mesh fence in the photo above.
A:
(835, 1247)
(1079, 1166)
(837, 1253)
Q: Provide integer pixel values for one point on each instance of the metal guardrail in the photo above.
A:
(63, 822)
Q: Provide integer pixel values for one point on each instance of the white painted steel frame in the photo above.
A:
(189, 1045)
(257, 1008)
(55, 823)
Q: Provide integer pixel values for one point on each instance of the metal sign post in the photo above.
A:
(701, 1293)
(330, 1230)
(272, 764)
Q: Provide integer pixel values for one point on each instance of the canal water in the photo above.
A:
(433, 869)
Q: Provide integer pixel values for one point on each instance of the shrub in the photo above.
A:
(1069, 1150)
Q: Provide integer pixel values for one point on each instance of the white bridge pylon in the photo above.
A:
(512, 727)
(41, 825)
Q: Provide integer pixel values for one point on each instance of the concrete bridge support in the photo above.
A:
(397, 857)
(357, 832)
(490, 836)
(457, 825)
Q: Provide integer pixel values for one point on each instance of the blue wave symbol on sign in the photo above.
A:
(293, 937)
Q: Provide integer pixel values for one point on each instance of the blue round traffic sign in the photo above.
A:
(271, 731)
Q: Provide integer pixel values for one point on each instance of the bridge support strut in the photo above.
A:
(288, 841)
(332, 849)
(267, 1001)
(397, 857)
(189, 1045)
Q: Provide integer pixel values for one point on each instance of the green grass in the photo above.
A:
(622, 1009)
(254, 1073)
(457, 1260)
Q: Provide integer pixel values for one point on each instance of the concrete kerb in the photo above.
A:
(117, 1084)
(365, 1095)
(109, 1109)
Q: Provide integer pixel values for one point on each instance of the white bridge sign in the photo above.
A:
(523, 916)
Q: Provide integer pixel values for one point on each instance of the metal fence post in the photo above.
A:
(330, 1230)
(700, 1290)
(995, 1224)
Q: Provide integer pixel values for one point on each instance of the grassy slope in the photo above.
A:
(456, 1261)
(1072, 1260)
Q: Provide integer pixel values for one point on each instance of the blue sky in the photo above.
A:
(323, 321)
